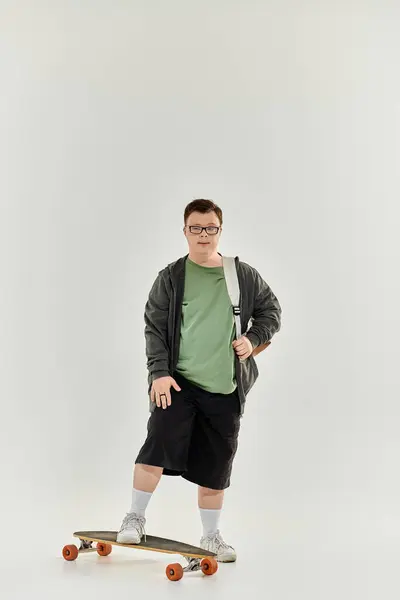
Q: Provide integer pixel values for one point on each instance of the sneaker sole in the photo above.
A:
(226, 559)
(127, 540)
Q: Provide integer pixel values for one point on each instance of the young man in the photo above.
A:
(199, 374)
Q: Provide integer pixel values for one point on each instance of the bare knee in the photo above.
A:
(146, 477)
(149, 469)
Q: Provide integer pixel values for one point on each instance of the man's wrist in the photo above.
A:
(253, 339)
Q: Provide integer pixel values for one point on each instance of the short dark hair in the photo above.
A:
(203, 206)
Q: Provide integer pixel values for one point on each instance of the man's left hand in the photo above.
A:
(243, 347)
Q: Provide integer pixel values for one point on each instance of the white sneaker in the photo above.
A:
(132, 529)
(215, 543)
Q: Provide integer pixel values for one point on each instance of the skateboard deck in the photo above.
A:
(197, 558)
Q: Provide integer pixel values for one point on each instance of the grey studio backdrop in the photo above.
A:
(115, 115)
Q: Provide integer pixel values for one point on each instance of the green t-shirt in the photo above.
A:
(206, 355)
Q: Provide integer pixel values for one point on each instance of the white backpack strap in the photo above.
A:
(232, 283)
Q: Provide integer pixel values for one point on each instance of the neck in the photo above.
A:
(213, 260)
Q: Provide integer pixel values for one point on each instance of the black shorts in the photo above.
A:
(196, 437)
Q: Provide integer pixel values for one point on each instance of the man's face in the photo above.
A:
(204, 243)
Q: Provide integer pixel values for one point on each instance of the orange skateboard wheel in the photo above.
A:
(174, 572)
(104, 549)
(70, 552)
(209, 566)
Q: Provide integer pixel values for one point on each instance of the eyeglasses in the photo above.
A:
(211, 230)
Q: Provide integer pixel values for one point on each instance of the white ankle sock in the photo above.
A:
(210, 519)
(140, 501)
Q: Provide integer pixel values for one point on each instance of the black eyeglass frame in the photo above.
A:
(200, 232)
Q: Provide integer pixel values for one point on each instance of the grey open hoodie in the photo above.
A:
(163, 310)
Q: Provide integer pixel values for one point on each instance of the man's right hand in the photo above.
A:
(160, 386)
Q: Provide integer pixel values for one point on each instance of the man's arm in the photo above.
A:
(266, 317)
(156, 332)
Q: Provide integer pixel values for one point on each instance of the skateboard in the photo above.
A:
(197, 558)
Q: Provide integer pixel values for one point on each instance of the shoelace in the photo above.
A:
(135, 521)
(220, 543)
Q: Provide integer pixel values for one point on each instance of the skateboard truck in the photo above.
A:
(194, 564)
(86, 546)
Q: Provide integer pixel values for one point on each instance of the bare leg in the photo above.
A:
(211, 499)
(146, 477)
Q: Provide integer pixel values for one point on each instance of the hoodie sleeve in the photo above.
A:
(156, 328)
(266, 317)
